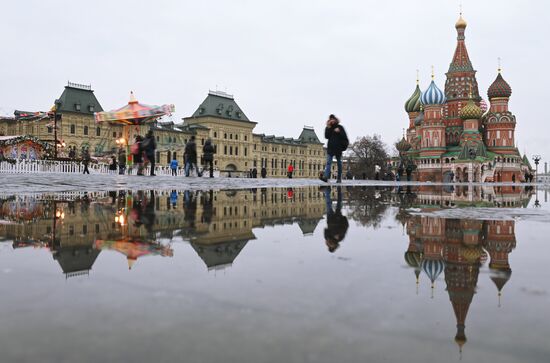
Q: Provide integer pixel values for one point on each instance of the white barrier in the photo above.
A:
(52, 166)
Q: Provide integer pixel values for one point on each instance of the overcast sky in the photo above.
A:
(289, 63)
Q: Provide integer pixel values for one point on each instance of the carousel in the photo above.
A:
(133, 117)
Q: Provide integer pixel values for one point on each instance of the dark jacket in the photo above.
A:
(122, 157)
(149, 145)
(337, 140)
(191, 151)
(208, 151)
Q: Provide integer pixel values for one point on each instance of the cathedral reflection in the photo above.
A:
(458, 248)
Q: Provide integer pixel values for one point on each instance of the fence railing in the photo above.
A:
(53, 166)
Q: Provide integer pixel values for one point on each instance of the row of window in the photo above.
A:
(231, 136)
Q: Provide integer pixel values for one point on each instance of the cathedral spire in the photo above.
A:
(461, 60)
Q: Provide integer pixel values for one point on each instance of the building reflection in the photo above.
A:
(217, 224)
(457, 248)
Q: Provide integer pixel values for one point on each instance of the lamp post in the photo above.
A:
(536, 159)
(56, 107)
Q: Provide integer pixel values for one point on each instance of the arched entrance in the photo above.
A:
(231, 167)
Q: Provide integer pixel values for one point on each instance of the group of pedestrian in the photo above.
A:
(143, 151)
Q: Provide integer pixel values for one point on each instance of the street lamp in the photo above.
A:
(536, 159)
(57, 103)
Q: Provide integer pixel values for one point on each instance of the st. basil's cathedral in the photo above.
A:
(454, 135)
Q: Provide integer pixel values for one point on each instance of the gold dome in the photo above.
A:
(461, 23)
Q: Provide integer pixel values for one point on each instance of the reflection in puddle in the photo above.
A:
(219, 225)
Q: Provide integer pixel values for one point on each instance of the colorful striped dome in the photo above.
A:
(471, 111)
(413, 103)
(433, 96)
(413, 258)
(499, 88)
(483, 105)
(433, 268)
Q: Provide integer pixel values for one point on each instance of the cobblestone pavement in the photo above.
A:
(38, 183)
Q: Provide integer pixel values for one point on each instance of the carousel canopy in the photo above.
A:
(134, 113)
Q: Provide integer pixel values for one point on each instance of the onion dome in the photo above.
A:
(461, 23)
(433, 96)
(500, 277)
(433, 268)
(471, 111)
(471, 254)
(499, 88)
(413, 103)
(483, 105)
(418, 120)
(413, 258)
(484, 257)
(403, 146)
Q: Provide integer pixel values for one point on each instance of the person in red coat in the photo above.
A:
(289, 171)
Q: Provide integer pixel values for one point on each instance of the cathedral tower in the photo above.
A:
(461, 77)
(432, 131)
(500, 123)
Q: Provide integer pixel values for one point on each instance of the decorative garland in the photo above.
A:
(47, 148)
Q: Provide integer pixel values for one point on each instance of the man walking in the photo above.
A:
(86, 160)
(290, 171)
(190, 156)
(149, 146)
(121, 161)
(208, 156)
(337, 143)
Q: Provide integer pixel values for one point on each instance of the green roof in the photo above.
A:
(221, 105)
(79, 99)
(309, 136)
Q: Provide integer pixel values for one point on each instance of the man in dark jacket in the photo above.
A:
(190, 156)
(86, 160)
(149, 146)
(121, 160)
(208, 156)
(337, 143)
(337, 223)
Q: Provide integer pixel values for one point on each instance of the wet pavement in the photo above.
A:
(70, 182)
(271, 274)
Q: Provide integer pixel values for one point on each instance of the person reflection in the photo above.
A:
(174, 199)
(337, 223)
(208, 207)
(190, 208)
(148, 216)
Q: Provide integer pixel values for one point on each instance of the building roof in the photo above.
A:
(309, 136)
(219, 255)
(79, 99)
(221, 105)
(76, 259)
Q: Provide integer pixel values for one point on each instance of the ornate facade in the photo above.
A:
(453, 134)
(219, 117)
